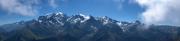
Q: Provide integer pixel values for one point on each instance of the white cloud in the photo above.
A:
(163, 12)
(53, 3)
(119, 3)
(14, 6)
(24, 7)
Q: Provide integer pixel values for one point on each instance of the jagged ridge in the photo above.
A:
(60, 27)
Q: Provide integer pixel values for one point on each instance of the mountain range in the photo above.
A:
(60, 27)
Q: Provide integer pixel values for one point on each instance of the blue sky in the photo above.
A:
(122, 10)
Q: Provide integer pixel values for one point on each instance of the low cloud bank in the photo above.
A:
(160, 12)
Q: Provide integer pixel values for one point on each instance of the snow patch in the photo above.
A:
(40, 21)
(51, 22)
(59, 22)
(59, 13)
(85, 17)
(119, 23)
(105, 22)
(76, 20)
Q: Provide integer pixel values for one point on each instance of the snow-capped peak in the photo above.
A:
(119, 23)
(85, 17)
(104, 17)
(59, 13)
(105, 20)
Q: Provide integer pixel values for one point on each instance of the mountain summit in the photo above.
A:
(60, 27)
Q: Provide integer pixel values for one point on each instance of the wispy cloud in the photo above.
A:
(53, 3)
(24, 7)
(119, 3)
(14, 6)
(164, 12)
